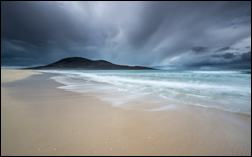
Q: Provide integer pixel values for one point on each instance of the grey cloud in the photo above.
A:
(223, 49)
(138, 33)
(226, 61)
(225, 55)
(228, 55)
(199, 49)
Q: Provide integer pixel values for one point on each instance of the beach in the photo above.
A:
(38, 118)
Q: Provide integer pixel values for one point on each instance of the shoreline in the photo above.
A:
(12, 75)
(151, 98)
(52, 121)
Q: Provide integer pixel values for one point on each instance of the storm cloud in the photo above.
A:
(170, 34)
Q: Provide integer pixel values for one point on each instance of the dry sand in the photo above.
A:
(11, 75)
(39, 119)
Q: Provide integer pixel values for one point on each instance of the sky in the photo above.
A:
(158, 34)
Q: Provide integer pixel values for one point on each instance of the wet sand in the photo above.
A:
(39, 119)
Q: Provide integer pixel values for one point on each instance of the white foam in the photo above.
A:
(119, 88)
(118, 80)
(216, 72)
(163, 108)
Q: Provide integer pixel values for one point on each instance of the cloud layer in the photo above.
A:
(174, 34)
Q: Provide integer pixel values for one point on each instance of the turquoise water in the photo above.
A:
(226, 90)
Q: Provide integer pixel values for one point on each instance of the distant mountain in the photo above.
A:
(87, 64)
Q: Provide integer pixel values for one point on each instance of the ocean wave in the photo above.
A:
(187, 88)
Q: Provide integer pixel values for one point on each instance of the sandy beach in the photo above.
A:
(37, 118)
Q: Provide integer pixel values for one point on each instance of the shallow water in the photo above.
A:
(226, 90)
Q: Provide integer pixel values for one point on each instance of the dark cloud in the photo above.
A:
(246, 57)
(180, 34)
(199, 49)
(226, 61)
(228, 55)
(223, 49)
(225, 55)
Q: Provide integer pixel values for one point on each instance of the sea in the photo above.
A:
(224, 90)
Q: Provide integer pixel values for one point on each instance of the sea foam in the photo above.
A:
(226, 90)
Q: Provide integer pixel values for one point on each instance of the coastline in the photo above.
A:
(50, 121)
(11, 75)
